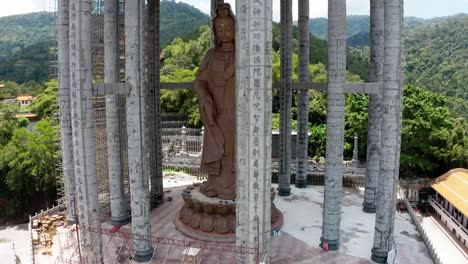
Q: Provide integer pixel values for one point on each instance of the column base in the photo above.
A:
(144, 256)
(115, 220)
(71, 221)
(379, 257)
(284, 192)
(332, 244)
(302, 183)
(369, 208)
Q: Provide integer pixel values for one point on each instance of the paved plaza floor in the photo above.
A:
(298, 240)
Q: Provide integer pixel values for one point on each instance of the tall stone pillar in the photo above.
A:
(118, 207)
(303, 98)
(355, 158)
(391, 131)
(65, 111)
(137, 154)
(375, 104)
(284, 178)
(254, 95)
(153, 117)
(84, 152)
(335, 124)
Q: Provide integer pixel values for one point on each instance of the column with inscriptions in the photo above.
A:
(375, 104)
(137, 155)
(284, 177)
(118, 207)
(84, 151)
(391, 131)
(335, 124)
(254, 95)
(65, 111)
(303, 98)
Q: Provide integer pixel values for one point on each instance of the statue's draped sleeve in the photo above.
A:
(213, 138)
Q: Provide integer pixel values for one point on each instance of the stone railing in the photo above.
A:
(417, 222)
(455, 224)
(31, 239)
(48, 211)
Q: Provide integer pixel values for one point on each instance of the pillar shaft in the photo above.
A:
(284, 188)
(152, 92)
(83, 127)
(65, 111)
(254, 94)
(118, 207)
(375, 104)
(335, 123)
(355, 157)
(391, 131)
(303, 98)
(137, 160)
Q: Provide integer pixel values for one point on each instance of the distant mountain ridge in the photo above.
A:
(358, 27)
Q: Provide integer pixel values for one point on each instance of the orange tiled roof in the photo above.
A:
(453, 186)
(24, 97)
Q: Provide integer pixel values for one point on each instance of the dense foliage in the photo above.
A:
(436, 59)
(29, 154)
(426, 114)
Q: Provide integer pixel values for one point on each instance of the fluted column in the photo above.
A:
(284, 188)
(303, 98)
(118, 207)
(137, 154)
(84, 151)
(391, 131)
(65, 111)
(335, 124)
(253, 133)
(375, 104)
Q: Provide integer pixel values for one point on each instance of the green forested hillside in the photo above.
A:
(180, 20)
(437, 60)
(437, 57)
(354, 25)
(26, 40)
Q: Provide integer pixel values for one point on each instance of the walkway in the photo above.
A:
(445, 243)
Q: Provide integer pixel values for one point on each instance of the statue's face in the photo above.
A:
(224, 29)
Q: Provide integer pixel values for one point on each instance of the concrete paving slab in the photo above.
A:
(303, 220)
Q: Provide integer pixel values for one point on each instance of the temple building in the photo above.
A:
(451, 202)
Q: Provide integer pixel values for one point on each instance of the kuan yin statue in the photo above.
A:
(215, 84)
(209, 210)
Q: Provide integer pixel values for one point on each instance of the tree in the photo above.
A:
(29, 163)
(426, 134)
(8, 122)
(46, 102)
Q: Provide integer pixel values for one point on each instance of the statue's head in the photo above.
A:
(224, 25)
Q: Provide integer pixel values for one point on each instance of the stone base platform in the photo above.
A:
(213, 219)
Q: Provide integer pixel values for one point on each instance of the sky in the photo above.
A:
(318, 8)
